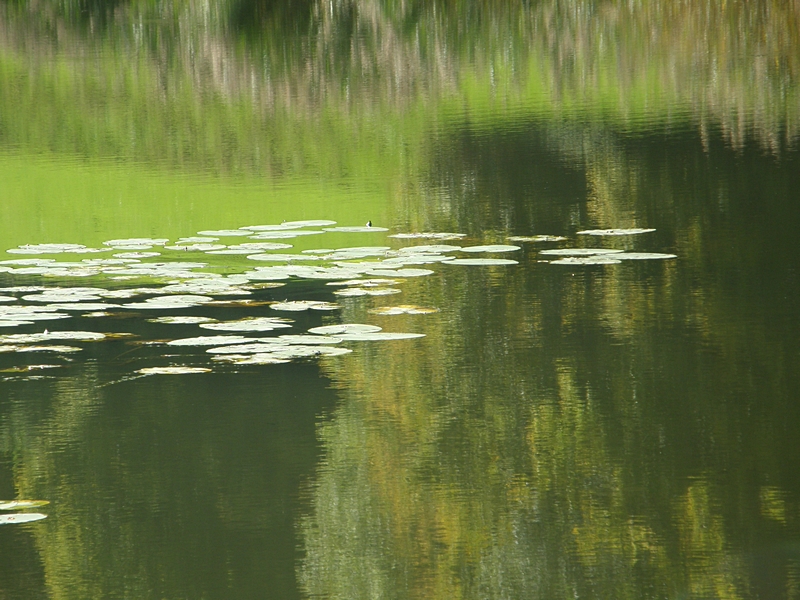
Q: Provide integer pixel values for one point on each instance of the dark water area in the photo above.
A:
(531, 427)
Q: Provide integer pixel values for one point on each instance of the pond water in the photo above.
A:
(560, 361)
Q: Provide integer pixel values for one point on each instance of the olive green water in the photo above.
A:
(584, 431)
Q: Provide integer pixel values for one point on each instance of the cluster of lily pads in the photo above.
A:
(200, 271)
(21, 517)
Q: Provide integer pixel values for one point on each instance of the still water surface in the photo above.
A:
(593, 431)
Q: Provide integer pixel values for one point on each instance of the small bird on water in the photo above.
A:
(369, 223)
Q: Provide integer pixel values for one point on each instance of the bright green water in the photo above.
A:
(618, 431)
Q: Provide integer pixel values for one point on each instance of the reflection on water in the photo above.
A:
(619, 431)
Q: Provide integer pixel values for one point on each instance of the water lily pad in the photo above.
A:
(429, 236)
(429, 249)
(415, 259)
(172, 370)
(281, 227)
(196, 240)
(21, 518)
(250, 324)
(20, 504)
(301, 305)
(15, 323)
(308, 339)
(182, 320)
(83, 306)
(137, 242)
(59, 296)
(281, 235)
(136, 255)
(401, 272)
(644, 256)
(403, 309)
(210, 340)
(276, 257)
(633, 231)
(32, 338)
(8, 299)
(251, 359)
(344, 328)
(359, 291)
(55, 348)
(224, 232)
(587, 260)
(363, 229)
(263, 346)
(482, 261)
(378, 336)
(491, 248)
(196, 247)
(311, 223)
(536, 238)
(578, 251)
(377, 282)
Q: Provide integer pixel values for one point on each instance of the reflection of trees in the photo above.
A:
(589, 435)
(176, 489)
(230, 85)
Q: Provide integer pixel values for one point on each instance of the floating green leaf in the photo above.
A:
(21, 518)
(491, 248)
(482, 261)
(210, 340)
(634, 231)
(172, 370)
(578, 251)
(20, 504)
(344, 328)
(536, 238)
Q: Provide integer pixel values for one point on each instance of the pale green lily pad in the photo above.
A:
(209, 340)
(301, 305)
(644, 256)
(276, 257)
(281, 227)
(17, 323)
(263, 346)
(415, 259)
(401, 272)
(332, 273)
(429, 249)
(587, 260)
(20, 504)
(250, 324)
(633, 231)
(172, 370)
(59, 296)
(482, 261)
(378, 336)
(403, 309)
(359, 291)
(345, 328)
(429, 236)
(224, 232)
(363, 229)
(8, 299)
(196, 240)
(311, 223)
(283, 235)
(318, 251)
(578, 251)
(29, 262)
(182, 320)
(55, 348)
(32, 338)
(250, 359)
(377, 282)
(21, 518)
(536, 238)
(491, 248)
(137, 242)
(196, 247)
(136, 255)
(83, 306)
(308, 339)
